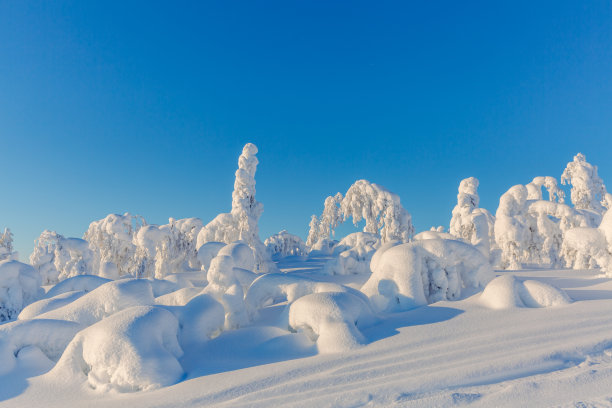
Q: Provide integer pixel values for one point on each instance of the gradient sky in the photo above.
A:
(145, 106)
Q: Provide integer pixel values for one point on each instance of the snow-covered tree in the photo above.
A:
(57, 258)
(470, 223)
(285, 244)
(241, 224)
(6, 246)
(588, 190)
(111, 240)
(381, 209)
(224, 286)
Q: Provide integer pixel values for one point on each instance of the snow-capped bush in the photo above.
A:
(85, 283)
(19, 286)
(133, 350)
(48, 304)
(285, 244)
(381, 209)
(111, 240)
(354, 253)
(421, 272)
(57, 258)
(207, 252)
(50, 337)
(6, 246)
(225, 287)
(588, 191)
(331, 319)
(104, 301)
(470, 223)
(241, 223)
(507, 292)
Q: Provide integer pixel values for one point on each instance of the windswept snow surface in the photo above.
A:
(448, 353)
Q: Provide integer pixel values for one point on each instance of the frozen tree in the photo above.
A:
(534, 189)
(532, 230)
(224, 286)
(111, 240)
(241, 224)
(57, 258)
(470, 223)
(381, 209)
(588, 190)
(285, 244)
(6, 246)
(588, 248)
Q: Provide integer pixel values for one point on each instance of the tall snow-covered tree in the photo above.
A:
(241, 224)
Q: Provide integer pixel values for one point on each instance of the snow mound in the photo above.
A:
(135, 349)
(104, 301)
(19, 286)
(331, 319)
(421, 272)
(50, 336)
(179, 297)
(275, 287)
(507, 292)
(201, 319)
(85, 283)
(46, 305)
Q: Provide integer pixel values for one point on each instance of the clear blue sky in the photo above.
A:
(145, 106)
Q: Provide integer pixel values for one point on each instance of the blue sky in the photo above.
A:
(145, 106)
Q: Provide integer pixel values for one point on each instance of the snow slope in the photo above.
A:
(449, 353)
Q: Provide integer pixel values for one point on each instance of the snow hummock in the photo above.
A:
(331, 319)
(132, 350)
(505, 292)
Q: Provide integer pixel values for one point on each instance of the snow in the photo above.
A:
(187, 315)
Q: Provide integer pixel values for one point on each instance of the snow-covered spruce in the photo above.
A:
(470, 223)
(532, 231)
(241, 223)
(132, 350)
(588, 190)
(224, 286)
(421, 272)
(19, 286)
(6, 246)
(111, 240)
(285, 244)
(354, 253)
(381, 209)
(507, 292)
(590, 248)
(331, 319)
(57, 258)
